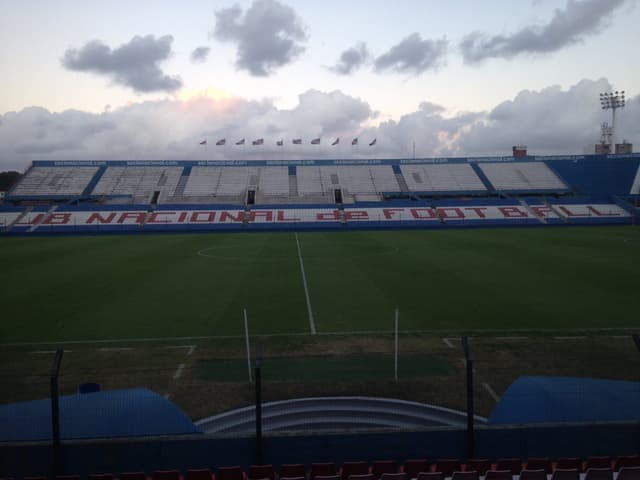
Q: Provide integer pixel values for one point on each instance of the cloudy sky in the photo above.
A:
(151, 79)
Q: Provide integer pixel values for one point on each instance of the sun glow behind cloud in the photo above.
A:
(211, 93)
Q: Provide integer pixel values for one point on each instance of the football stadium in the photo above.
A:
(322, 319)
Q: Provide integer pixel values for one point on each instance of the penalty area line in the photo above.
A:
(312, 324)
(492, 393)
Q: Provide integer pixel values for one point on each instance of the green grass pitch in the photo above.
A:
(156, 286)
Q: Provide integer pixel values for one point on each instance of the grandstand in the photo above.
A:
(426, 193)
(164, 311)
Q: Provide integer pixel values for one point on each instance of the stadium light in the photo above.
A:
(612, 101)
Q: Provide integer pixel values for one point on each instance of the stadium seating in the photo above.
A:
(527, 474)
(448, 466)
(597, 462)
(258, 472)
(381, 470)
(569, 463)
(522, 176)
(442, 178)
(138, 182)
(413, 467)
(565, 474)
(626, 461)
(293, 470)
(132, 476)
(353, 468)
(514, 465)
(629, 473)
(394, 476)
(422, 193)
(105, 476)
(380, 467)
(540, 464)
(322, 469)
(498, 475)
(430, 476)
(599, 474)
(54, 181)
(274, 181)
(199, 474)
(467, 475)
(230, 473)
(166, 475)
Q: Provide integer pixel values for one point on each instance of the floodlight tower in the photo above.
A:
(612, 101)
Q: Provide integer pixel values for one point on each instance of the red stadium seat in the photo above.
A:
(258, 472)
(368, 476)
(322, 469)
(430, 476)
(166, 475)
(599, 474)
(100, 476)
(413, 467)
(199, 474)
(480, 465)
(292, 470)
(447, 466)
(394, 476)
(133, 476)
(470, 475)
(353, 468)
(512, 464)
(565, 474)
(383, 466)
(498, 475)
(540, 464)
(533, 474)
(569, 463)
(230, 473)
(629, 473)
(597, 462)
(628, 461)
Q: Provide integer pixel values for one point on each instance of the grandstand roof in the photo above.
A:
(567, 399)
(109, 414)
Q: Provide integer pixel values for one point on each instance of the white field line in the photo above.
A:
(179, 370)
(511, 338)
(312, 324)
(114, 349)
(47, 352)
(447, 342)
(491, 392)
(192, 349)
(464, 364)
(577, 337)
(175, 347)
(479, 331)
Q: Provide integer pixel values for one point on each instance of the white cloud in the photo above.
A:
(568, 26)
(268, 36)
(133, 64)
(549, 121)
(413, 55)
(351, 59)
(200, 54)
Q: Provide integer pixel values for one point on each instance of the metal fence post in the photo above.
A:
(470, 425)
(258, 384)
(55, 414)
